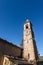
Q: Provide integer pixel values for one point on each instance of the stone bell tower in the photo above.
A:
(29, 46)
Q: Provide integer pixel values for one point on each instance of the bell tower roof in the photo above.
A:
(27, 21)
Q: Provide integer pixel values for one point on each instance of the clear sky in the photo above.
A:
(13, 14)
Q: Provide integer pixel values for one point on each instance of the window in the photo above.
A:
(27, 41)
(28, 56)
(26, 27)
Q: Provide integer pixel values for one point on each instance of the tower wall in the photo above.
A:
(28, 43)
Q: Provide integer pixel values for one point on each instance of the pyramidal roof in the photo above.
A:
(27, 20)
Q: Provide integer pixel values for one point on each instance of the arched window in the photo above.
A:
(28, 55)
(26, 26)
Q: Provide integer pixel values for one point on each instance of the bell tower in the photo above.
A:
(29, 45)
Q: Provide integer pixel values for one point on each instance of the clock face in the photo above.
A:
(27, 32)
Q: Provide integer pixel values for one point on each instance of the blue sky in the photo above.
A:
(13, 14)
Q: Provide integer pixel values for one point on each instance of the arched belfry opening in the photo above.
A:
(27, 26)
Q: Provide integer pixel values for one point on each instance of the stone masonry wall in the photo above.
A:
(9, 49)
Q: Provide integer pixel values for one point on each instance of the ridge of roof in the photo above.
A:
(10, 43)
